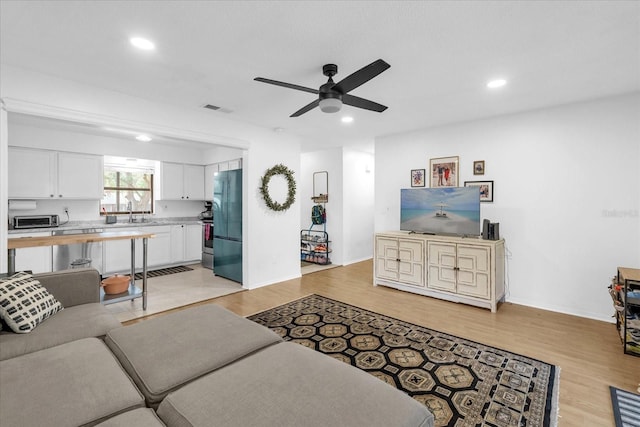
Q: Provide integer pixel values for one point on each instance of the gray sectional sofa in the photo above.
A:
(203, 366)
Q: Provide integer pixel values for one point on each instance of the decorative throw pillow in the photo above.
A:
(25, 303)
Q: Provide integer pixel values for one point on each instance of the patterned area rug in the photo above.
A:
(626, 407)
(462, 382)
(164, 271)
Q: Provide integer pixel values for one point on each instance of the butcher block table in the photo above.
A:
(69, 239)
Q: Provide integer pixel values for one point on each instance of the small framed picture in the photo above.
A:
(486, 189)
(417, 177)
(443, 172)
(478, 167)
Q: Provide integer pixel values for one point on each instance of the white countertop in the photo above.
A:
(123, 223)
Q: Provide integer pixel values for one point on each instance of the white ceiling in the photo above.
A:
(441, 55)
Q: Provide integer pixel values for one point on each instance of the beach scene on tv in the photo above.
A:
(443, 210)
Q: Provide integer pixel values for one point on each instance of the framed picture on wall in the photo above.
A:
(478, 167)
(443, 172)
(417, 177)
(486, 189)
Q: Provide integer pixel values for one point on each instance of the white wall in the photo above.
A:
(351, 200)
(359, 197)
(270, 240)
(566, 194)
(331, 161)
(3, 187)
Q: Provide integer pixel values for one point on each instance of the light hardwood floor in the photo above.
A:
(588, 352)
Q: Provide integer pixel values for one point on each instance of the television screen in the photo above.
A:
(443, 210)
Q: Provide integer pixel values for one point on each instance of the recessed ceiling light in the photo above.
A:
(143, 138)
(493, 84)
(347, 119)
(142, 43)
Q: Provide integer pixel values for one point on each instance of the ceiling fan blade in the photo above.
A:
(355, 101)
(361, 76)
(287, 85)
(306, 108)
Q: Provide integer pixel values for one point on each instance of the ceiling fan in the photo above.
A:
(332, 95)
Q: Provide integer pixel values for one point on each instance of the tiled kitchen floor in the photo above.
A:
(175, 290)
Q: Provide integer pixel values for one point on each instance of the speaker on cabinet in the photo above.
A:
(485, 229)
(490, 230)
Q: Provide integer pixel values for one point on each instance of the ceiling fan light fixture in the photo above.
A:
(330, 105)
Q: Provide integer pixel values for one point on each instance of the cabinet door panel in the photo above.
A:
(411, 265)
(194, 182)
(80, 176)
(177, 243)
(31, 173)
(442, 263)
(386, 258)
(37, 259)
(117, 256)
(474, 271)
(193, 242)
(172, 181)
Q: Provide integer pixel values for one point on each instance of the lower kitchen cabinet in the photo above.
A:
(193, 242)
(468, 270)
(117, 253)
(186, 243)
(38, 259)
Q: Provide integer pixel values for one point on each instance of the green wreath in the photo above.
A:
(291, 183)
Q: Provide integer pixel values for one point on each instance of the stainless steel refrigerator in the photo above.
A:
(227, 225)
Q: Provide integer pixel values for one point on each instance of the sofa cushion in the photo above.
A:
(73, 323)
(288, 384)
(25, 303)
(141, 417)
(163, 353)
(74, 384)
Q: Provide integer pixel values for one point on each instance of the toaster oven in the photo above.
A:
(35, 221)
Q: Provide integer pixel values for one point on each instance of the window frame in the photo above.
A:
(118, 190)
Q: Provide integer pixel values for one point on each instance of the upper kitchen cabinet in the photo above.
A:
(211, 170)
(44, 174)
(181, 182)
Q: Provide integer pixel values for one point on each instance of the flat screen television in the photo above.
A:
(443, 210)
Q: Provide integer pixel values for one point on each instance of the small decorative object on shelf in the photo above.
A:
(314, 247)
(322, 198)
(625, 292)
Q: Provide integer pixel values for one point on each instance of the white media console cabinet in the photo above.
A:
(469, 270)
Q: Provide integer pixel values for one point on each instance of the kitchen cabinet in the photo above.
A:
(211, 170)
(469, 270)
(181, 182)
(186, 243)
(209, 173)
(37, 259)
(117, 253)
(193, 242)
(44, 174)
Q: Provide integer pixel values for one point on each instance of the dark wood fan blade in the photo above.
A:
(361, 76)
(287, 85)
(306, 108)
(355, 101)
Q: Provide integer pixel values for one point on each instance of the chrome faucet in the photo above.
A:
(130, 209)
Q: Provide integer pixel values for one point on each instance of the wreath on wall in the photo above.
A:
(291, 184)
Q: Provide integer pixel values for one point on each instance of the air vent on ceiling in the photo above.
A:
(216, 108)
